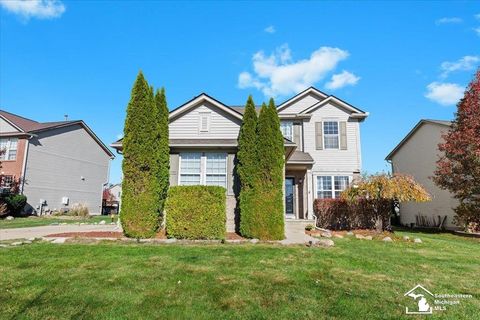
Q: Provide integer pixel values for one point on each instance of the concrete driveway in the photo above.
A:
(36, 232)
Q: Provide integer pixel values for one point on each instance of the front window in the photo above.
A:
(327, 190)
(216, 172)
(207, 168)
(330, 134)
(9, 147)
(6, 181)
(190, 169)
(287, 129)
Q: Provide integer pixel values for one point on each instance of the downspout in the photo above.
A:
(24, 165)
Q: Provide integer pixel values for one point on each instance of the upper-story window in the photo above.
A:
(209, 168)
(330, 134)
(9, 146)
(287, 129)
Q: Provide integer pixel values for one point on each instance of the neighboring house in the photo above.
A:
(116, 191)
(111, 198)
(416, 155)
(322, 148)
(58, 164)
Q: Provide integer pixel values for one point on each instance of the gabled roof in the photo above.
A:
(299, 96)
(355, 111)
(200, 98)
(417, 126)
(31, 127)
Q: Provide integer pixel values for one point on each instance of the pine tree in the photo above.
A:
(247, 162)
(163, 149)
(458, 170)
(140, 196)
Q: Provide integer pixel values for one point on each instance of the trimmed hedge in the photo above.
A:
(196, 212)
(340, 214)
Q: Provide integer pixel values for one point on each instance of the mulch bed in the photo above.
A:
(119, 235)
(363, 232)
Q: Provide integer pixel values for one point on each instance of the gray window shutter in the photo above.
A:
(173, 169)
(296, 134)
(343, 135)
(230, 178)
(318, 136)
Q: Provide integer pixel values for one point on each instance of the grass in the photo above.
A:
(356, 279)
(48, 220)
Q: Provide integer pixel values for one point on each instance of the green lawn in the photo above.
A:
(44, 221)
(356, 279)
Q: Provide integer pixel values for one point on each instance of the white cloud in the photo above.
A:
(278, 75)
(41, 9)
(477, 30)
(270, 29)
(448, 20)
(341, 80)
(444, 93)
(477, 16)
(465, 63)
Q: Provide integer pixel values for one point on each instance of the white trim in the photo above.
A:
(203, 97)
(301, 95)
(342, 104)
(24, 166)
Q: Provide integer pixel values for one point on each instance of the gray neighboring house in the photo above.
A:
(58, 164)
(416, 155)
(322, 149)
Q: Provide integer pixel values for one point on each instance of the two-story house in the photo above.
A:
(57, 164)
(322, 148)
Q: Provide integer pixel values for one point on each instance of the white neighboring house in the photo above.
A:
(59, 164)
(322, 148)
(417, 155)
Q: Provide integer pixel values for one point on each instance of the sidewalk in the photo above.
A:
(34, 232)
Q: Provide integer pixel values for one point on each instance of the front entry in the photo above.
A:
(290, 197)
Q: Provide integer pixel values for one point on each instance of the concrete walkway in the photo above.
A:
(295, 232)
(36, 232)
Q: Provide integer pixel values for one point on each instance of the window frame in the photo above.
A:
(291, 129)
(203, 168)
(329, 135)
(332, 190)
(8, 149)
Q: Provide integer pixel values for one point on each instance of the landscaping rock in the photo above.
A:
(59, 240)
(368, 238)
(387, 239)
(254, 241)
(349, 233)
(417, 240)
(32, 239)
(338, 236)
(325, 243)
(359, 236)
(326, 234)
(172, 240)
(16, 243)
(3, 246)
(406, 238)
(27, 242)
(9, 218)
(102, 222)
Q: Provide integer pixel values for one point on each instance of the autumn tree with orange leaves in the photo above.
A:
(458, 169)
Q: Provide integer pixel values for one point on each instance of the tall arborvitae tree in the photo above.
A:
(247, 167)
(458, 170)
(268, 199)
(163, 148)
(140, 196)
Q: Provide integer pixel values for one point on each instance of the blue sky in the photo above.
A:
(399, 61)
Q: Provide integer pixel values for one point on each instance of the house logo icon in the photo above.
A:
(421, 296)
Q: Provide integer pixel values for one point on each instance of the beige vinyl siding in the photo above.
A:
(220, 126)
(302, 104)
(6, 127)
(333, 160)
(57, 160)
(417, 157)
